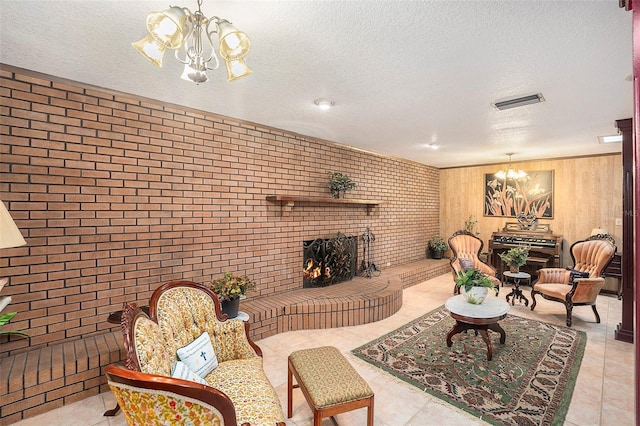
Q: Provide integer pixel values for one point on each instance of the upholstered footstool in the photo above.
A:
(328, 382)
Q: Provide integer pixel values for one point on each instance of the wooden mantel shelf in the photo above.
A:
(289, 201)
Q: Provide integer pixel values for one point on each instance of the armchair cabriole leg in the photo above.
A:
(595, 311)
(533, 298)
(569, 306)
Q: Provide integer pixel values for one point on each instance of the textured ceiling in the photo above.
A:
(403, 74)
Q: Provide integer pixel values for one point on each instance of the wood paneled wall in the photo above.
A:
(587, 195)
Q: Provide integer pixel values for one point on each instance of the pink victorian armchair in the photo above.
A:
(580, 285)
(466, 248)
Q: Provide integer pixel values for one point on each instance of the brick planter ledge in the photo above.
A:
(44, 379)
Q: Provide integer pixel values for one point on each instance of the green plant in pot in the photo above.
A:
(474, 285)
(515, 258)
(339, 183)
(437, 247)
(6, 317)
(229, 289)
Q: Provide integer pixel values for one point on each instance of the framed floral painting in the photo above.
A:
(531, 195)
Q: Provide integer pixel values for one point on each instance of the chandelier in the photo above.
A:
(179, 29)
(510, 173)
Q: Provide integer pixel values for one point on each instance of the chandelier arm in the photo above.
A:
(185, 47)
(213, 19)
(186, 55)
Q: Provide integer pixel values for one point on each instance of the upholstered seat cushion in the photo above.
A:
(587, 290)
(328, 376)
(558, 291)
(244, 382)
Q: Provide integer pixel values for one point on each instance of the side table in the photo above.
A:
(243, 316)
(480, 318)
(516, 292)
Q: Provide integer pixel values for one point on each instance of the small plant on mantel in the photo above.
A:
(340, 183)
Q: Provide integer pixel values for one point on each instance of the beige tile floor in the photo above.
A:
(604, 393)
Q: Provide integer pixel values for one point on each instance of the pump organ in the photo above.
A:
(545, 248)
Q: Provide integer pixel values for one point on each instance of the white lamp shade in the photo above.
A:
(10, 235)
(598, 231)
(168, 27)
(237, 69)
(150, 49)
(234, 44)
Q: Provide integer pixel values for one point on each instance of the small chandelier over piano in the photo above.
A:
(510, 173)
(186, 32)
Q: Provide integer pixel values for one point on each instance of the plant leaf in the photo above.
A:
(5, 318)
(14, 333)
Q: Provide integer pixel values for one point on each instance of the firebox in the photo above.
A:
(329, 261)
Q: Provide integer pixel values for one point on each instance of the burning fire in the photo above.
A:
(313, 270)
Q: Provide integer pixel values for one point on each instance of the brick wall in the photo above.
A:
(116, 194)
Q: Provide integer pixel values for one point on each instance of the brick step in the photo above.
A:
(359, 301)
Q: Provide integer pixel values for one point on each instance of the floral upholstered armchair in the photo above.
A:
(581, 284)
(188, 353)
(466, 248)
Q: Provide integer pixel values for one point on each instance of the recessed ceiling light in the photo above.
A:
(518, 102)
(433, 146)
(610, 139)
(324, 103)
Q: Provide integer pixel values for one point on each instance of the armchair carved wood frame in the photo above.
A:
(465, 245)
(592, 255)
(151, 388)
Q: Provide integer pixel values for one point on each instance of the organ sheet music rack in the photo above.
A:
(545, 247)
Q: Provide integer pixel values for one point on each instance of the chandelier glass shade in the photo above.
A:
(510, 173)
(189, 35)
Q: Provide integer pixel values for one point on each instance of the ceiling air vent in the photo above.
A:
(518, 102)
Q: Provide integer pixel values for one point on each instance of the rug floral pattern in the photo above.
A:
(529, 381)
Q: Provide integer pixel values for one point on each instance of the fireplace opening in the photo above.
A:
(328, 261)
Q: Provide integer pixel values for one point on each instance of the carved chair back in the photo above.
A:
(592, 255)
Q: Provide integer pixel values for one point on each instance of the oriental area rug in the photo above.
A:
(529, 380)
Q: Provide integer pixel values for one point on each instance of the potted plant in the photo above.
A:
(6, 317)
(474, 285)
(437, 247)
(229, 289)
(515, 258)
(340, 183)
